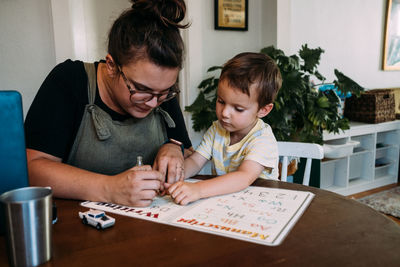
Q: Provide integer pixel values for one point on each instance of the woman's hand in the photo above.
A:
(135, 187)
(183, 192)
(169, 162)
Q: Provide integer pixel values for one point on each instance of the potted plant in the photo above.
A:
(301, 112)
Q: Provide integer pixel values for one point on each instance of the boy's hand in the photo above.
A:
(183, 192)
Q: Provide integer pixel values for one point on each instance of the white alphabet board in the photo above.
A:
(257, 214)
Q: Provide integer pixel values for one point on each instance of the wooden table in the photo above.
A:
(333, 231)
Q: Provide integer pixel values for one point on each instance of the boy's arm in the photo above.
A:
(193, 164)
(231, 182)
(184, 193)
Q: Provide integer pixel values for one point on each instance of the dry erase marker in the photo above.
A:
(139, 161)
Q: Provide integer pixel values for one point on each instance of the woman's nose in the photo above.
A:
(152, 102)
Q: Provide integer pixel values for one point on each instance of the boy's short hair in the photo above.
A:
(247, 69)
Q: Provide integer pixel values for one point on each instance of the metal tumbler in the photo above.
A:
(28, 216)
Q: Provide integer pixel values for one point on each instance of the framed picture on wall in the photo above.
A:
(391, 48)
(231, 15)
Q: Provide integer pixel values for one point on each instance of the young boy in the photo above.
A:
(240, 144)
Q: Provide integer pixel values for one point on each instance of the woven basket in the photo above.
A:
(373, 106)
(397, 101)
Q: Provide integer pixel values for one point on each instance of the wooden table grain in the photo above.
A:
(333, 231)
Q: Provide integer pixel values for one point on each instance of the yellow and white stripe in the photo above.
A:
(258, 145)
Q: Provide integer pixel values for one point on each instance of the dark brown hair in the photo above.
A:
(150, 29)
(247, 69)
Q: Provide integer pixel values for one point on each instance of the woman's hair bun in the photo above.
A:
(169, 12)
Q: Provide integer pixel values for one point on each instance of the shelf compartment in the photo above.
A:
(359, 150)
(382, 151)
(358, 181)
(382, 171)
(366, 141)
(357, 172)
(334, 173)
(361, 165)
(382, 162)
(388, 152)
(384, 167)
(388, 137)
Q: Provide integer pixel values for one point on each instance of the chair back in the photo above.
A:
(13, 164)
(301, 150)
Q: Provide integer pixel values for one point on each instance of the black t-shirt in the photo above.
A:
(56, 113)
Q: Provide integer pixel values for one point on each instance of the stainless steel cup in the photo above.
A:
(28, 215)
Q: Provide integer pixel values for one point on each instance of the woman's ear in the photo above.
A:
(112, 68)
(265, 110)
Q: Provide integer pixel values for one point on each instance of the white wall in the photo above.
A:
(81, 27)
(26, 46)
(37, 34)
(350, 32)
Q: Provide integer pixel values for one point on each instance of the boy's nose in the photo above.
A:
(225, 112)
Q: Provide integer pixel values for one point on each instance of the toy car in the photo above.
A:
(96, 218)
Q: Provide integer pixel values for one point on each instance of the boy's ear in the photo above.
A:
(112, 68)
(265, 110)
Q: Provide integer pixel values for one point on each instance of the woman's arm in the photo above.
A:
(169, 159)
(132, 187)
(179, 132)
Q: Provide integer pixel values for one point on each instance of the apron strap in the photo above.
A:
(167, 118)
(91, 74)
(103, 133)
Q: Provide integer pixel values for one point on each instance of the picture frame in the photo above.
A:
(391, 46)
(231, 15)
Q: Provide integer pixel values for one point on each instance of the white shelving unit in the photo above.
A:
(371, 164)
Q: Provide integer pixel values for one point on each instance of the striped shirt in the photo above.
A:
(258, 145)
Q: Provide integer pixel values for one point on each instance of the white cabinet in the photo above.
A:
(372, 163)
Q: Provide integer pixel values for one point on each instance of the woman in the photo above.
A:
(89, 122)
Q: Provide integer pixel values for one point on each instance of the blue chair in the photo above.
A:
(13, 164)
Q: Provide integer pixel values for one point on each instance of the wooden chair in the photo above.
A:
(301, 150)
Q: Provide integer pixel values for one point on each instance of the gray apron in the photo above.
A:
(110, 147)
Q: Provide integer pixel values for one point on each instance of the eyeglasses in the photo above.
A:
(145, 95)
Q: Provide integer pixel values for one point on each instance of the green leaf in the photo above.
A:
(213, 68)
(319, 76)
(206, 82)
(272, 52)
(199, 103)
(345, 84)
(311, 57)
(323, 102)
(203, 120)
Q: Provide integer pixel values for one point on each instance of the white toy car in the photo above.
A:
(96, 218)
